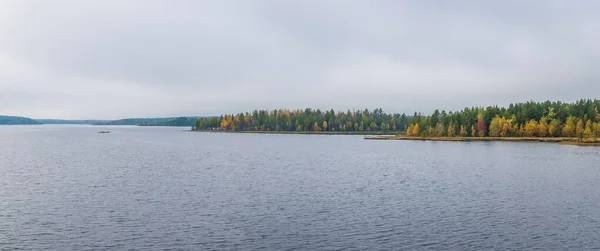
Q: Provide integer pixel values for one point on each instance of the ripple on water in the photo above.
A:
(69, 188)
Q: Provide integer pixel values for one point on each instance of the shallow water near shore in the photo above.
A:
(159, 188)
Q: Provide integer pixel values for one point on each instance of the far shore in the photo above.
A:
(561, 140)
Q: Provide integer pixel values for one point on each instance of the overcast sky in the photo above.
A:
(123, 58)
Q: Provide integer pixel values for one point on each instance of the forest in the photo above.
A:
(307, 120)
(530, 119)
(580, 119)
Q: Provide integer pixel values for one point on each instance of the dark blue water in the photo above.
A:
(140, 188)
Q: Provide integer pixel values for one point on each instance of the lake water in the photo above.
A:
(142, 188)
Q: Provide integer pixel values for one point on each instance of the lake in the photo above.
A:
(157, 188)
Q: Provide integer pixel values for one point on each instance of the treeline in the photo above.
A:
(180, 121)
(135, 121)
(531, 119)
(307, 120)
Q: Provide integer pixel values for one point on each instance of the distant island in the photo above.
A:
(578, 121)
(174, 121)
(180, 121)
(14, 120)
(135, 121)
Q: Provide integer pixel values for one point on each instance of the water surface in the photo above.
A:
(146, 188)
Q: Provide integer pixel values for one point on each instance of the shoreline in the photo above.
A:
(391, 136)
(560, 140)
(380, 134)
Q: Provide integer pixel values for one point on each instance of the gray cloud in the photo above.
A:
(111, 59)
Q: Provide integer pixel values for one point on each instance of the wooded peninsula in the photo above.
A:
(579, 120)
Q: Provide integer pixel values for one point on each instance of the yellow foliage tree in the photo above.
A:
(542, 128)
(495, 127)
(451, 130)
(588, 132)
(227, 122)
(324, 125)
(516, 131)
(596, 129)
(409, 130)
(316, 127)
(505, 126)
(568, 129)
(531, 128)
(463, 132)
(473, 131)
(579, 129)
(412, 130)
(500, 127)
(554, 128)
(438, 131)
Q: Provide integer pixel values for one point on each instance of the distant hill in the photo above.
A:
(171, 121)
(69, 122)
(13, 120)
(180, 121)
(135, 121)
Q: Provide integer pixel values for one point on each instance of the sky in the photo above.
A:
(112, 59)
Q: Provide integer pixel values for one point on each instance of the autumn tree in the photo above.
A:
(316, 127)
(480, 126)
(579, 129)
(542, 128)
(500, 127)
(516, 131)
(522, 130)
(568, 129)
(226, 122)
(409, 131)
(412, 130)
(554, 128)
(451, 130)
(463, 132)
(505, 127)
(439, 130)
(531, 128)
(476, 121)
(324, 125)
(588, 132)
(495, 127)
